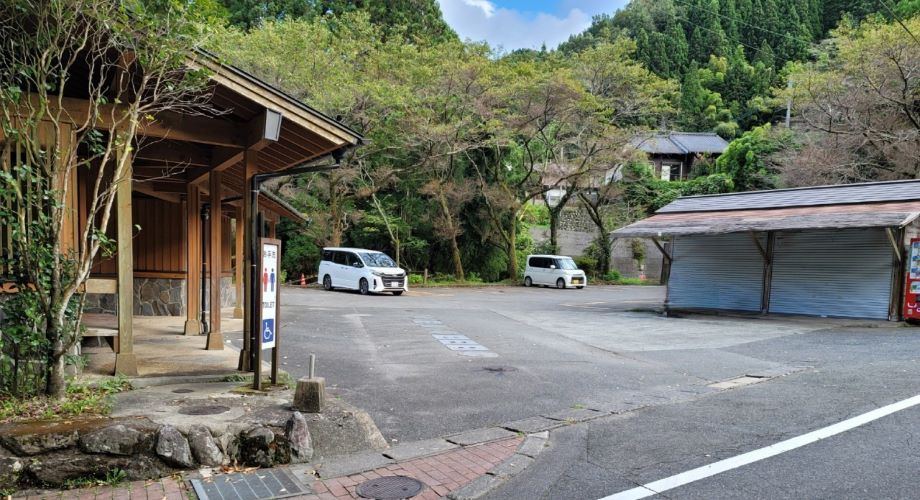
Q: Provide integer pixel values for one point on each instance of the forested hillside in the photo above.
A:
(460, 139)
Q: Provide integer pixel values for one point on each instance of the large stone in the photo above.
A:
(119, 439)
(204, 447)
(10, 470)
(298, 436)
(35, 438)
(55, 469)
(263, 447)
(173, 448)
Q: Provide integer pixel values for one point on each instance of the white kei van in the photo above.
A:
(553, 270)
(363, 270)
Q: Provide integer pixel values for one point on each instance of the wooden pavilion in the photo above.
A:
(190, 179)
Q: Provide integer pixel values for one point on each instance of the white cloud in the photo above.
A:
(488, 8)
(511, 29)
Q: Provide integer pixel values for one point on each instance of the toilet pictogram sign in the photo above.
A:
(271, 250)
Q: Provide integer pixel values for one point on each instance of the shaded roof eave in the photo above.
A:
(282, 208)
(290, 107)
(889, 215)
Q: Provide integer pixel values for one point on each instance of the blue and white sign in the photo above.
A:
(270, 284)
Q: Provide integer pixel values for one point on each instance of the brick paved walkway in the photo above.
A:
(441, 473)
(163, 489)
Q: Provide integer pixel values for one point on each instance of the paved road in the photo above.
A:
(545, 351)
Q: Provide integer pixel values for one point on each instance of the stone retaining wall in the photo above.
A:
(49, 454)
(157, 297)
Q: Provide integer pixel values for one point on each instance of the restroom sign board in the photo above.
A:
(270, 281)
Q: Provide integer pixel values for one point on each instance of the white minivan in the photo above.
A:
(363, 270)
(553, 270)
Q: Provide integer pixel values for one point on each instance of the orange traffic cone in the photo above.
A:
(303, 281)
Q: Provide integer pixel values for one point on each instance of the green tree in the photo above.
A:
(748, 159)
(128, 61)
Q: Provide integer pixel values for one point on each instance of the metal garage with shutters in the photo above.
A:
(834, 251)
(723, 271)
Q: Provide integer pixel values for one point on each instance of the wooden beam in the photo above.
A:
(175, 153)
(216, 247)
(760, 248)
(238, 263)
(125, 361)
(193, 249)
(894, 244)
(256, 137)
(148, 189)
(662, 250)
(165, 125)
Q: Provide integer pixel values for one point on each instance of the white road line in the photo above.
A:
(728, 464)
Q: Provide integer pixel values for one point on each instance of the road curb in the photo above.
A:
(523, 457)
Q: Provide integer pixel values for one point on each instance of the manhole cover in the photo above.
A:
(183, 391)
(204, 410)
(499, 369)
(390, 488)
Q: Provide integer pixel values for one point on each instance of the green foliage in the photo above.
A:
(412, 20)
(80, 399)
(746, 160)
(536, 214)
(587, 263)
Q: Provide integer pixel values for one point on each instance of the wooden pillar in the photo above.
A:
(238, 267)
(125, 361)
(193, 249)
(250, 162)
(216, 246)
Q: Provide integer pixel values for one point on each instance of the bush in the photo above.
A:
(587, 264)
(613, 276)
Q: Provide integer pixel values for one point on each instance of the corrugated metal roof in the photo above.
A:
(873, 192)
(700, 142)
(896, 214)
(681, 143)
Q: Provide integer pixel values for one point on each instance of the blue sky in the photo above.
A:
(514, 24)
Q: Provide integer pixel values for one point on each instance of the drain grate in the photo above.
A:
(204, 410)
(390, 488)
(183, 391)
(261, 484)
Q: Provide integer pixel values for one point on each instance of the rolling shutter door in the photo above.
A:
(716, 272)
(832, 273)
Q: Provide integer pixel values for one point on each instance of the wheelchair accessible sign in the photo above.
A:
(270, 283)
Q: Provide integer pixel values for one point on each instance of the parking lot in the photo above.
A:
(538, 351)
(672, 381)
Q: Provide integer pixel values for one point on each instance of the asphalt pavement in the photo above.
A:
(545, 351)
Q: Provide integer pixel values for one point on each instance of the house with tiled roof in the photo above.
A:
(673, 153)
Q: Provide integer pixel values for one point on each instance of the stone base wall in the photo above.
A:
(574, 243)
(54, 453)
(158, 297)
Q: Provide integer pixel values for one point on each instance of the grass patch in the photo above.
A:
(284, 379)
(80, 400)
(113, 477)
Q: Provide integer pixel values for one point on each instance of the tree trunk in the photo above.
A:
(454, 247)
(554, 229)
(55, 386)
(603, 243)
(512, 251)
(335, 238)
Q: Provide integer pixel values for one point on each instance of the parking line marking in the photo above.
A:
(750, 457)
